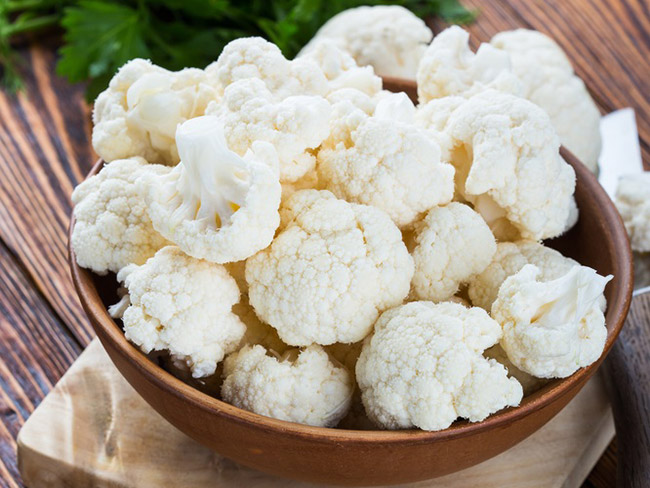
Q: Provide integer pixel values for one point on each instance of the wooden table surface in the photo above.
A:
(45, 151)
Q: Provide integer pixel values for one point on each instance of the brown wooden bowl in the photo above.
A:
(350, 457)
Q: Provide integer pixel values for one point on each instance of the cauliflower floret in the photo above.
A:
(388, 163)
(182, 305)
(449, 67)
(506, 155)
(388, 37)
(341, 70)
(528, 382)
(549, 81)
(295, 125)
(254, 57)
(452, 243)
(509, 258)
(330, 272)
(551, 329)
(433, 116)
(307, 389)
(633, 203)
(112, 227)
(138, 113)
(423, 367)
(216, 205)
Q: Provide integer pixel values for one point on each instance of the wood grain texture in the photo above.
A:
(627, 373)
(45, 150)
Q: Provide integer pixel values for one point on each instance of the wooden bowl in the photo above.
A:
(371, 457)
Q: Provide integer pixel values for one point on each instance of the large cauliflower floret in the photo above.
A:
(423, 367)
(138, 113)
(308, 389)
(449, 67)
(388, 37)
(112, 227)
(506, 155)
(548, 80)
(182, 305)
(254, 57)
(452, 243)
(551, 329)
(509, 258)
(295, 125)
(341, 70)
(330, 272)
(633, 203)
(388, 163)
(216, 205)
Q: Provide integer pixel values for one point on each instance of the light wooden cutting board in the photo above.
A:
(93, 430)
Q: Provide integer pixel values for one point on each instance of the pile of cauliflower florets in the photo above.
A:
(305, 245)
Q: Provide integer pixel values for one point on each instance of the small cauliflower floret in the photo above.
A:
(509, 258)
(633, 203)
(388, 37)
(254, 57)
(528, 382)
(182, 305)
(423, 367)
(330, 272)
(551, 329)
(341, 70)
(452, 243)
(449, 67)
(508, 166)
(216, 205)
(388, 163)
(138, 113)
(112, 227)
(307, 389)
(549, 81)
(295, 125)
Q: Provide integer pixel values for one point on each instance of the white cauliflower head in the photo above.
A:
(138, 113)
(548, 80)
(182, 305)
(452, 243)
(112, 227)
(509, 258)
(389, 163)
(295, 125)
(341, 70)
(254, 57)
(330, 271)
(508, 166)
(449, 67)
(423, 367)
(390, 38)
(214, 204)
(307, 389)
(633, 203)
(551, 329)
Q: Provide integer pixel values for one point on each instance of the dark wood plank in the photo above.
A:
(35, 350)
(44, 152)
(627, 375)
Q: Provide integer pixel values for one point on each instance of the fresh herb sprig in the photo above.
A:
(101, 35)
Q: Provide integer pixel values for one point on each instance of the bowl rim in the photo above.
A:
(106, 327)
